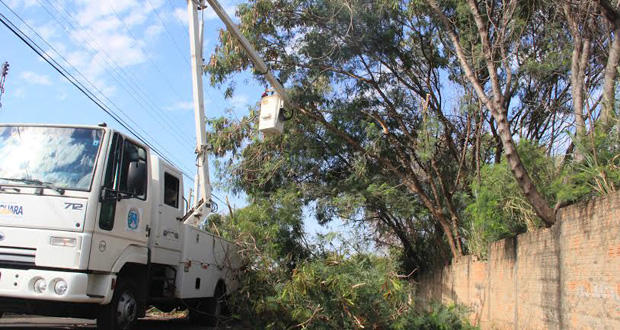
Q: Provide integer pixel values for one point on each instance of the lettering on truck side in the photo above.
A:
(11, 209)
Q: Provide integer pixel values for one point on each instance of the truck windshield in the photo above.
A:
(60, 156)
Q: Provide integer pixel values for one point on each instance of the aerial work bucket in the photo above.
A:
(270, 121)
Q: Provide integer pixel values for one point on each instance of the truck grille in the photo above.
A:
(14, 255)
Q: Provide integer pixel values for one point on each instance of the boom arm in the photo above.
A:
(202, 204)
(256, 59)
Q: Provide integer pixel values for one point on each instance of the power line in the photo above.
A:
(116, 68)
(134, 80)
(105, 68)
(170, 84)
(75, 69)
(168, 31)
(174, 11)
(133, 36)
(67, 75)
(80, 86)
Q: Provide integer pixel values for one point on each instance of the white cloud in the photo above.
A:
(240, 100)
(18, 93)
(153, 31)
(35, 78)
(46, 31)
(183, 105)
(182, 14)
(229, 8)
(21, 3)
(109, 35)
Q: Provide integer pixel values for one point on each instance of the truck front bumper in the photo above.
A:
(81, 287)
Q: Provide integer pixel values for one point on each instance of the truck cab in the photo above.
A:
(92, 225)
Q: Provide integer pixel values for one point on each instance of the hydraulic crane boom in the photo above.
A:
(202, 204)
(256, 59)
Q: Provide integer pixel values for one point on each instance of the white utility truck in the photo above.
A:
(92, 225)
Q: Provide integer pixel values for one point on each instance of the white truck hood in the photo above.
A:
(42, 212)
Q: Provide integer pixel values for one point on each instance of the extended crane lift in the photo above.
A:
(271, 117)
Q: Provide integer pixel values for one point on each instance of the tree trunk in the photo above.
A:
(577, 83)
(611, 72)
(414, 187)
(579, 61)
(539, 204)
(611, 69)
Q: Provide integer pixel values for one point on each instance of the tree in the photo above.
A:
(495, 32)
(321, 171)
(402, 103)
(612, 14)
(374, 72)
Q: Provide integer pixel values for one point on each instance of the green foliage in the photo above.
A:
(499, 209)
(346, 293)
(598, 173)
(379, 143)
(442, 317)
(272, 226)
(390, 133)
(325, 290)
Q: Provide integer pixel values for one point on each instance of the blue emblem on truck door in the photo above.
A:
(133, 220)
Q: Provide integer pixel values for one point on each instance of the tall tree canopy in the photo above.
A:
(403, 104)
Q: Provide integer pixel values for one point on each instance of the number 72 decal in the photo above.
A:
(74, 206)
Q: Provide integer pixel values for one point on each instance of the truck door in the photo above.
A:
(168, 234)
(124, 217)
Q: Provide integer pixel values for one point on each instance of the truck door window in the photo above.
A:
(122, 153)
(131, 153)
(171, 190)
(108, 207)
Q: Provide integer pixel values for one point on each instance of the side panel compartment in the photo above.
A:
(206, 259)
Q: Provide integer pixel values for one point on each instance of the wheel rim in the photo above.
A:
(127, 310)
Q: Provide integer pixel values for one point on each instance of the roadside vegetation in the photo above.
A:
(328, 284)
(432, 126)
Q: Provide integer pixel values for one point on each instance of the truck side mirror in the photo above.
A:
(136, 178)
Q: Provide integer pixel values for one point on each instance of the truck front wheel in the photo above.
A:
(122, 312)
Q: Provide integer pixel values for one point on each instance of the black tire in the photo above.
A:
(209, 311)
(122, 312)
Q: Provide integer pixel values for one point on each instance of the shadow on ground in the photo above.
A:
(38, 322)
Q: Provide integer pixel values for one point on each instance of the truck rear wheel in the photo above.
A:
(209, 311)
(122, 312)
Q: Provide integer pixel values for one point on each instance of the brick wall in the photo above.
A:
(564, 277)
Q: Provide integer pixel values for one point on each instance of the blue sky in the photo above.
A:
(132, 54)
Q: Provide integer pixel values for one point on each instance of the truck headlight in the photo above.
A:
(40, 286)
(61, 287)
(63, 241)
